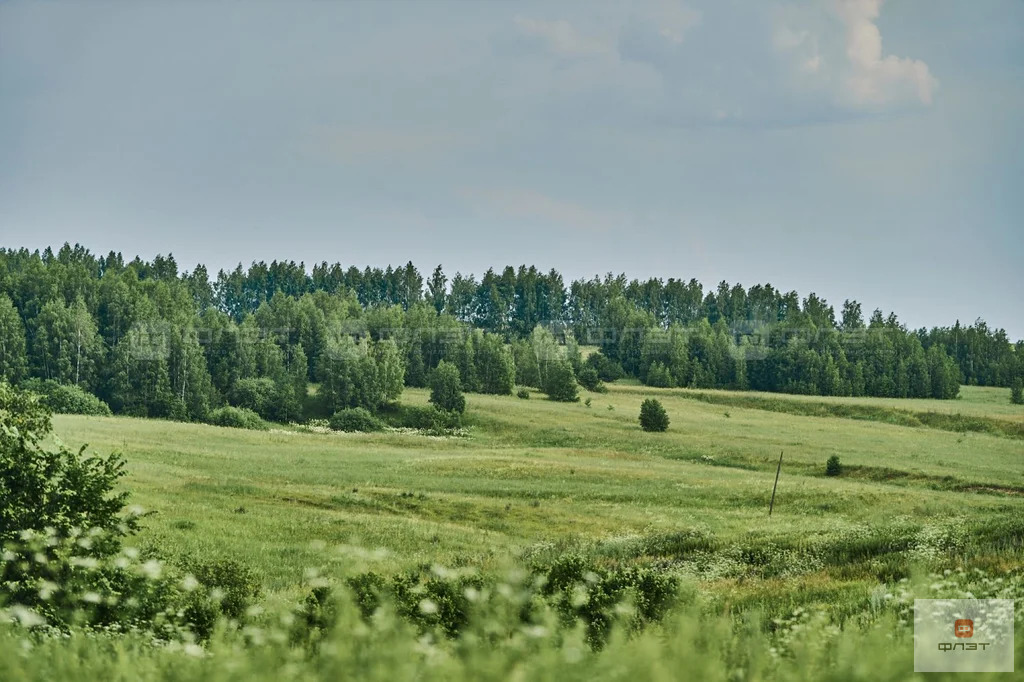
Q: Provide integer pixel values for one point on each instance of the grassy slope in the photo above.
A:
(536, 471)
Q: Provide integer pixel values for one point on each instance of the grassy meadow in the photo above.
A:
(534, 478)
(533, 471)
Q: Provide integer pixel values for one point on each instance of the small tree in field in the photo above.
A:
(446, 388)
(1017, 392)
(653, 416)
(560, 382)
(833, 467)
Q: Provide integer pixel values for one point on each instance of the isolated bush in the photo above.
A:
(589, 380)
(560, 382)
(523, 394)
(237, 417)
(833, 467)
(66, 398)
(653, 416)
(446, 388)
(355, 419)
(1017, 392)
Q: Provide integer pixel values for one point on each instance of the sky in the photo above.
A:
(853, 148)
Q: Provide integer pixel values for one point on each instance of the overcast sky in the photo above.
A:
(847, 147)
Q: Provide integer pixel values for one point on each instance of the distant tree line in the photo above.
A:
(153, 341)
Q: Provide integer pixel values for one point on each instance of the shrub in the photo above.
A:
(653, 416)
(407, 416)
(1017, 392)
(523, 394)
(66, 398)
(591, 381)
(659, 376)
(257, 395)
(446, 388)
(61, 529)
(445, 421)
(355, 419)
(560, 382)
(237, 585)
(833, 467)
(238, 418)
(51, 486)
(607, 369)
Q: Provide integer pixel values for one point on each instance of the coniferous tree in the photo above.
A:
(653, 416)
(436, 289)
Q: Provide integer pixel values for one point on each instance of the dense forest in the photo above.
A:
(150, 340)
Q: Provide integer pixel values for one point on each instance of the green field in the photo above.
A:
(535, 471)
(534, 479)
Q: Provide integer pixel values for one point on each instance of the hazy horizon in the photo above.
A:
(853, 149)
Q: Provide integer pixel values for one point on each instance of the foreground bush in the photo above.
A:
(238, 418)
(62, 523)
(329, 637)
(49, 486)
(67, 398)
(355, 419)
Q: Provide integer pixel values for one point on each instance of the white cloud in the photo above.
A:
(674, 19)
(873, 79)
(839, 54)
(562, 38)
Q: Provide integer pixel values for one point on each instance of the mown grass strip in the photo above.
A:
(957, 423)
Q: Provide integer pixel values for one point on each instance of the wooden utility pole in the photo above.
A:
(771, 504)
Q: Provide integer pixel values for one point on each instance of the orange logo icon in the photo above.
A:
(963, 627)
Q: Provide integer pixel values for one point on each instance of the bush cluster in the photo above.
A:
(237, 417)
(66, 398)
(356, 419)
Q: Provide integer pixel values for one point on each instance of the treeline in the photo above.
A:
(153, 341)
